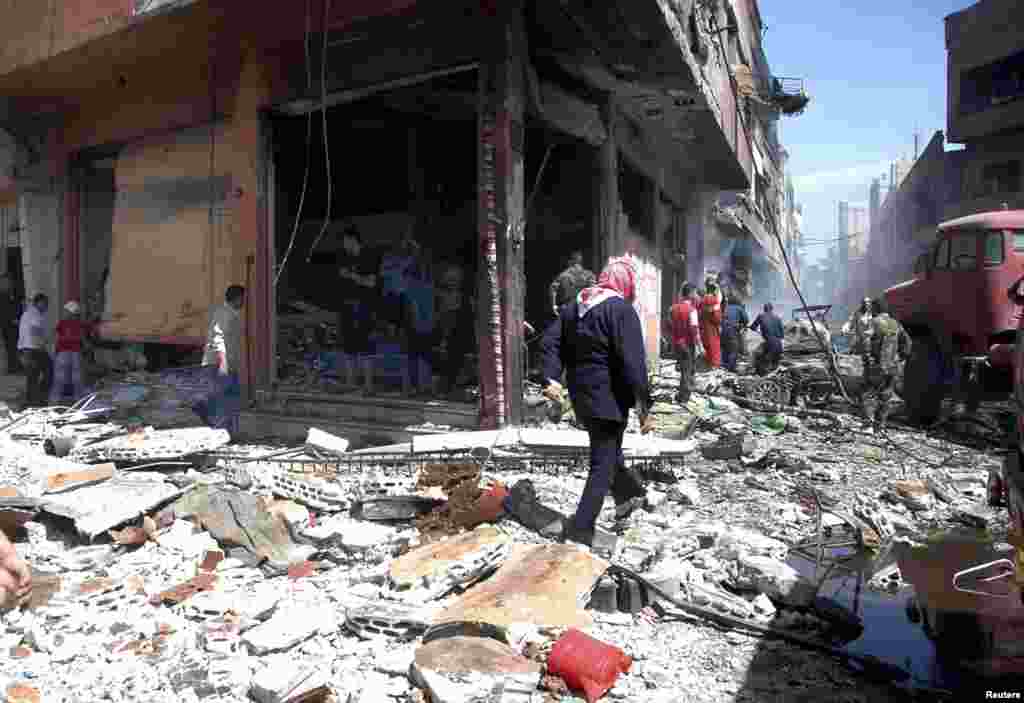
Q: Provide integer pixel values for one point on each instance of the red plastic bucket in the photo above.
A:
(586, 664)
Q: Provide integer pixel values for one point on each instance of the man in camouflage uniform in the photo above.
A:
(570, 282)
(888, 343)
(859, 325)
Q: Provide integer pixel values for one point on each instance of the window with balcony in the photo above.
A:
(993, 84)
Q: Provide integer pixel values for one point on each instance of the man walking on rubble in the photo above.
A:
(770, 326)
(686, 339)
(734, 324)
(570, 282)
(889, 342)
(859, 325)
(223, 355)
(598, 340)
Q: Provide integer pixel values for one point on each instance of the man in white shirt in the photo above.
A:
(35, 357)
(223, 354)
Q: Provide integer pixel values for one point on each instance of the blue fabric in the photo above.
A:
(421, 297)
(221, 410)
(735, 318)
(604, 358)
(770, 326)
(607, 472)
(393, 269)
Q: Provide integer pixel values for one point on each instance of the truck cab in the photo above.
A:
(956, 310)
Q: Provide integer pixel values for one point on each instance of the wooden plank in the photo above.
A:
(547, 585)
(65, 480)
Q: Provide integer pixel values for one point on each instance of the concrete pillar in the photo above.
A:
(501, 188)
(40, 213)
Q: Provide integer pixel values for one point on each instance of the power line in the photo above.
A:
(832, 241)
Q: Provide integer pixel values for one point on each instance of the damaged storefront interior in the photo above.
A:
(397, 172)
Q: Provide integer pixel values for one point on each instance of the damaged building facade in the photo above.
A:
(154, 153)
(752, 227)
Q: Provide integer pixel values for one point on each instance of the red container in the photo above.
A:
(586, 664)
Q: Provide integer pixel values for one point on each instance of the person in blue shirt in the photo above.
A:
(770, 326)
(734, 324)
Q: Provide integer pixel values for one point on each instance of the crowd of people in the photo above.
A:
(710, 323)
(401, 294)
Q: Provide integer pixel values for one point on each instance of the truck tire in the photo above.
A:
(923, 386)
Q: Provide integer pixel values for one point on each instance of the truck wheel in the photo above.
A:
(922, 381)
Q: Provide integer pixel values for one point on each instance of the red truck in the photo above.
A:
(958, 314)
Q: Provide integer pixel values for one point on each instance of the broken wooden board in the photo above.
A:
(432, 561)
(59, 481)
(548, 585)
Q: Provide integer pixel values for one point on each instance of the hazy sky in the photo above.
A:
(876, 72)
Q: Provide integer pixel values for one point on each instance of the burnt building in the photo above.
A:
(159, 151)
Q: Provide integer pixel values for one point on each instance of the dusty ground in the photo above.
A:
(98, 640)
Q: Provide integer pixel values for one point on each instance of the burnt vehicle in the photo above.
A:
(957, 312)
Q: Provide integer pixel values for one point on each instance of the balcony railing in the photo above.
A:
(788, 94)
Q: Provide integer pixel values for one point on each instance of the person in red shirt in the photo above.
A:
(686, 339)
(72, 332)
(711, 325)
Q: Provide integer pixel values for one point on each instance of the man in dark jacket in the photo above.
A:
(598, 340)
(570, 282)
(734, 324)
(770, 327)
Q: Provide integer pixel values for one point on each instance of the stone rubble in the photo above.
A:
(186, 605)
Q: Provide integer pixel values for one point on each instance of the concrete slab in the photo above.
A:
(464, 669)
(153, 445)
(465, 440)
(124, 497)
(444, 564)
(548, 585)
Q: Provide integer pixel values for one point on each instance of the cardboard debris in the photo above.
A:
(548, 585)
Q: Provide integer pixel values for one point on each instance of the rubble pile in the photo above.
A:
(169, 567)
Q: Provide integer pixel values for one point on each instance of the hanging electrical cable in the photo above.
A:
(309, 146)
(824, 347)
(327, 146)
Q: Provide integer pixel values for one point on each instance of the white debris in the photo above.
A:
(288, 628)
